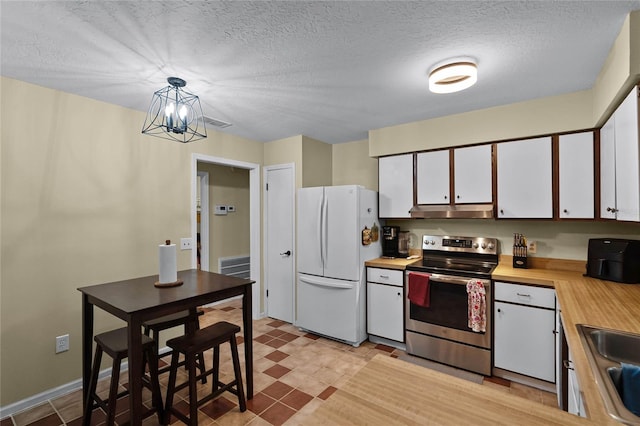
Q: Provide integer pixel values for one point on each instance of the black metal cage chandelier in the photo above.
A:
(175, 114)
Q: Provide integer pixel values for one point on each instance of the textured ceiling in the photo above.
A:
(328, 70)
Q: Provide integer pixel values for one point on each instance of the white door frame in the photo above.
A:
(254, 216)
(204, 220)
(293, 232)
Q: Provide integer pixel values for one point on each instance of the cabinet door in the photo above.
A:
(384, 311)
(576, 176)
(627, 159)
(525, 179)
(472, 174)
(432, 177)
(524, 340)
(395, 186)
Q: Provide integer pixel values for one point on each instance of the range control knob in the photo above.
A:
(483, 245)
(433, 243)
(475, 245)
(491, 246)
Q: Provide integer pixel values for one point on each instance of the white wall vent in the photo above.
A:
(215, 123)
(236, 266)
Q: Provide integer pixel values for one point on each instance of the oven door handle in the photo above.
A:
(456, 280)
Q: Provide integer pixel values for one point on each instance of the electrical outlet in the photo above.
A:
(62, 343)
(532, 247)
(186, 243)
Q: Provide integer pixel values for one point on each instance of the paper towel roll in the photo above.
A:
(168, 263)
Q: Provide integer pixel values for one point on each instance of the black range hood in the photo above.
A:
(452, 211)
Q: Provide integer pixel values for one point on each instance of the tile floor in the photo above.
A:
(294, 372)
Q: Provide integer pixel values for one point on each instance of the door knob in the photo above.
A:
(286, 253)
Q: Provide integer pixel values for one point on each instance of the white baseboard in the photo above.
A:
(34, 400)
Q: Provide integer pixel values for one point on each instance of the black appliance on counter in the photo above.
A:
(390, 241)
(614, 259)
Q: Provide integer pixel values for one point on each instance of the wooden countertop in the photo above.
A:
(396, 263)
(583, 300)
(601, 304)
(388, 391)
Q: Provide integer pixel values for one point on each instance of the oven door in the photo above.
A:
(447, 314)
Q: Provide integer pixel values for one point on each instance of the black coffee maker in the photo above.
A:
(390, 241)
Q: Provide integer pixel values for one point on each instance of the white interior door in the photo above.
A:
(279, 241)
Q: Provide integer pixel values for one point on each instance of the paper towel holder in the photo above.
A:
(170, 284)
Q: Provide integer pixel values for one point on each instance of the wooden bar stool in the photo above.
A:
(115, 344)
(192, 344)
(191, 323)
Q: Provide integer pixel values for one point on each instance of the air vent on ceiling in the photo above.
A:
(216, 123)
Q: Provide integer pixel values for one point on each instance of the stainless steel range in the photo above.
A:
(441, 332)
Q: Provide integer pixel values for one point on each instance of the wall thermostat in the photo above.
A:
(220, 209)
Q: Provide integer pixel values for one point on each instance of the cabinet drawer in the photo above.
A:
(385, 276)
(525, 295)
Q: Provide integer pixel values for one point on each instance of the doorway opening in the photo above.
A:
(254, 233)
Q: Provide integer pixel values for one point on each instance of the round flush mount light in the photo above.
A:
(453, 76)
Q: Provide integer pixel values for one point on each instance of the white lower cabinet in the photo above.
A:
(524, 330)
(385, 303)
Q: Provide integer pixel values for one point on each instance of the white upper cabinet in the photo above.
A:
(472, 174)
(432, 177)
(395, 186)
(627, 159)
(576, 183)
(525, 179)
(620, 163)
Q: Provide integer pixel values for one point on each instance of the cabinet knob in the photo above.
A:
(565, 211)
(458, 197)
(501, 211)
(499, 310)
(612, 209)
(445, 197)
(567, 364)
(399, 294)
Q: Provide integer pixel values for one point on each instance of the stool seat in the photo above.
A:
(115, 341)
(171, 320)
(185, 318)
(115, 344)
(205, 338)
(195, 343)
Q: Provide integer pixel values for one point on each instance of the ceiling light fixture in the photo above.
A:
(453, 76)
(175, 114)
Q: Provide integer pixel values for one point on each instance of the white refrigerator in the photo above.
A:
(334, 239)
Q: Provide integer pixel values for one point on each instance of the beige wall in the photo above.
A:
(353, 166)
(228, 234)
(282, 151)
(316, 163)
(86, 199)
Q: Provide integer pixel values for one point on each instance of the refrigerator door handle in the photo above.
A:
(325, 232)
(320, 242)
(326, 283)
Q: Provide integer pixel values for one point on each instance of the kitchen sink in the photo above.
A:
(606, 349)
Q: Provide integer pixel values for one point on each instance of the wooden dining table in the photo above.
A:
(138, 300)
